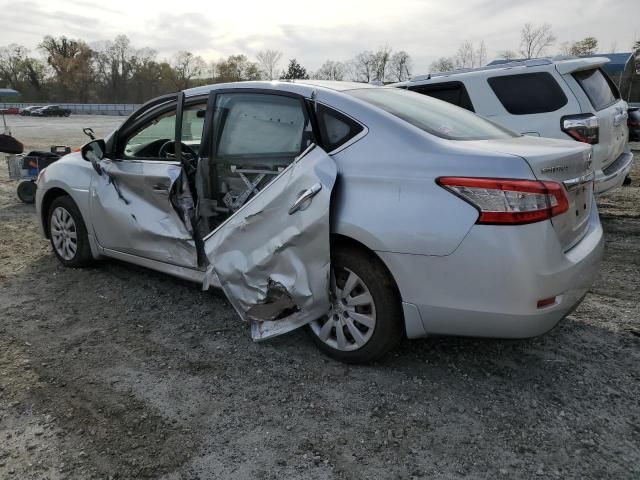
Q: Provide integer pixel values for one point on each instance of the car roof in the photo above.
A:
(302, 87)
(562, 64)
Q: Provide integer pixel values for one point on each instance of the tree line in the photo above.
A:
(63, 69)
(535, 41)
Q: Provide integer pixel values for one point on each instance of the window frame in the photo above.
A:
(211, 137)
(144, 115)
(557, 87)
(331, 148)
(445, 86)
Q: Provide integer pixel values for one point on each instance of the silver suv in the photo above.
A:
(571, 98)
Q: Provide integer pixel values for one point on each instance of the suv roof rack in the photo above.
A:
(534, 62)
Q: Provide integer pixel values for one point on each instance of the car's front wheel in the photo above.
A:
(365, 320)
(68, 233)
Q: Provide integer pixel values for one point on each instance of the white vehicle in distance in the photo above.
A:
(367, 213)
(569, 98)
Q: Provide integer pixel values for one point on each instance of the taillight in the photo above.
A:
(509, 202)
(583, 128)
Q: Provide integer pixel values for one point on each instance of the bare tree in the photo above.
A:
(535, 40)
(268, 61)
(187, 66)
(508, 54)
(468, 56)
(382, 59)
(364, 67)
(212, 69)
(331, 70)
(480, 55)
(443, 64)
(400, 66)
(464, 57)
(11, 58)
(565, 48)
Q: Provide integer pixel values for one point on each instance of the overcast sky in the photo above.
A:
(315, 31)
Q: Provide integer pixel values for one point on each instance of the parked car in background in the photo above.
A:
(567, 99)
(26, 111)
(51, 111)
(441, 222)
(633, 123)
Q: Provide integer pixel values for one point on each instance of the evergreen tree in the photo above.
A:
(295, 71)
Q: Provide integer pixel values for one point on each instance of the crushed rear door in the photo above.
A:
(272, 256)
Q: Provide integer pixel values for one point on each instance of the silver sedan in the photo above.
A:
(366, 213)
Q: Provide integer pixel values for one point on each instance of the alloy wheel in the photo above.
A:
(64, 233)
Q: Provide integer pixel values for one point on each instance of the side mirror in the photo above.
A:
(8, 144)
(94, 152)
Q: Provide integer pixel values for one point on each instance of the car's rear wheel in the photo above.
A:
(68, 233)
(365, 320)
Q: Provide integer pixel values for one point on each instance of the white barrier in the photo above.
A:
(84, 108)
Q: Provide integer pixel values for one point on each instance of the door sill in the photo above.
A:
(185, 273)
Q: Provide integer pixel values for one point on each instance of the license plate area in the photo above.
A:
(580, 197)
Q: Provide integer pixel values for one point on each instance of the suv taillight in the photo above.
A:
(583, 128)
(509, 202)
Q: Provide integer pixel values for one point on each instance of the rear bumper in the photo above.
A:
(613, 176)
(490, 286)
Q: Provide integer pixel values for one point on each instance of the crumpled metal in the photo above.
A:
(274, 266)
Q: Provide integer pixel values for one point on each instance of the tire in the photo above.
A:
(383, 328)
(71, 245)
(27, 191)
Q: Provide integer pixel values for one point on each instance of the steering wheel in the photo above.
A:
(165, 153)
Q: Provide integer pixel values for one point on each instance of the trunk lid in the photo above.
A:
(561, 161)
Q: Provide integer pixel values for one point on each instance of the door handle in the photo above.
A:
(304, 196)
(160, 188)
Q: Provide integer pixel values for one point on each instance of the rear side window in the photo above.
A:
(336, 129)
(450, 92)
(433, 116)
(599, 88)
(528, 93)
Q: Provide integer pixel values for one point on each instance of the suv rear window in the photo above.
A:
(528, 93)
(454, 93)
(336, 129)
(599, 88)
(433, 116)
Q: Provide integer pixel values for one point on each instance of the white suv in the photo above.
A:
(571, 98)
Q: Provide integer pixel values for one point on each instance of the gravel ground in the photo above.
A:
(120, 372)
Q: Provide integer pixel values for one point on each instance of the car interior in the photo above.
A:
(257, 137)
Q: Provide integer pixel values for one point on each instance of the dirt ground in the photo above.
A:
(119, 372)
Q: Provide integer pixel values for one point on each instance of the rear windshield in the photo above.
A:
(433, 116)
(598, 87)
